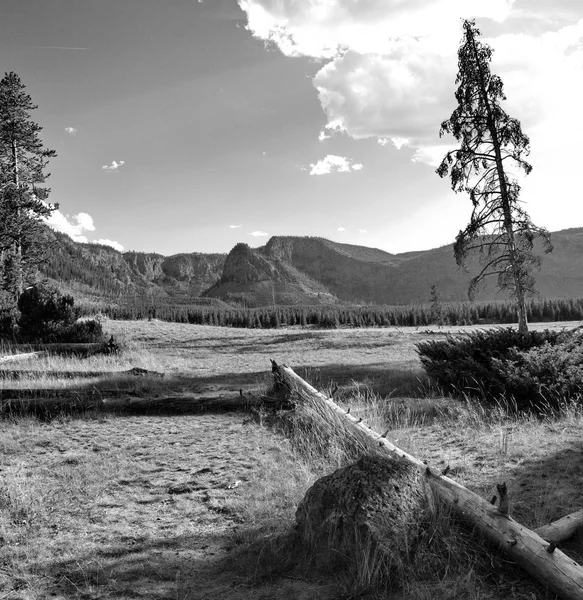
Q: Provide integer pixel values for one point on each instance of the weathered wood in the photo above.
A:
(563, 529)
(73, 393)
(52, 402)
(550, 566)
(22, 356)
(80, 349)
(181, 404)
(46, 407)
(16, 374)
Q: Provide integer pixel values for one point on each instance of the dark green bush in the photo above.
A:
(551, 374)
(477, 364)
(48, 316)
(88, 331)
(44, 313)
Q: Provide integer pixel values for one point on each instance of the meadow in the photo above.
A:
(197, 505)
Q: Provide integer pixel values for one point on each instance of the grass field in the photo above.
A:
(189, 507)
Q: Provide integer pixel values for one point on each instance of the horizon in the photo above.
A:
(206, 123)
(132, 251)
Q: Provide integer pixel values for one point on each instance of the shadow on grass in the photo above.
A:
(196, 566)
(184, 394)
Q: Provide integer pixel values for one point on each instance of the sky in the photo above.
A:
(192, 125)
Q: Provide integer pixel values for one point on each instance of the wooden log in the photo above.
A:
(22, 356)
(534, 554)
(80, 349)
(16, 374)
(563, 529)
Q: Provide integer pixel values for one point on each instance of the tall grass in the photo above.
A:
(447, 560)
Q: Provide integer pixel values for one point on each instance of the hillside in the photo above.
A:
(356, 274)
(295, 270)
(93, 270)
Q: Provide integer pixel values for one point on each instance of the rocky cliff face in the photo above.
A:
(257, 278)
(97, 269)
(244, 266)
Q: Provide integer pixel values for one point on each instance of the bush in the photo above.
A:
(88, 331)
(549, 374)
(477, 364)
(44, 313)
(48, 316)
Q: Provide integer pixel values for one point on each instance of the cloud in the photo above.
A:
(71, 130)
(74, 226)
(115, 166)
(111, 243)
(333, 164)
(234, 226)
(327, 28)
(258, 233)
(392, 64)
(341, 229)
(362, 231)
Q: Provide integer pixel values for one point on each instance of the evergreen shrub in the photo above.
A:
(48, 316)
(487, 364)
(551, 374)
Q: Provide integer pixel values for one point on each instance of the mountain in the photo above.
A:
(356, 274)
(295, 270)
(97, 271)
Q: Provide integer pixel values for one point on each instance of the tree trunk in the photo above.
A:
(534, 554)
(505, 196)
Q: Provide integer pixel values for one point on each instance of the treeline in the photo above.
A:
(443, 313)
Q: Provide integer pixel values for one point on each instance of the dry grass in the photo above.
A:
(200, 506)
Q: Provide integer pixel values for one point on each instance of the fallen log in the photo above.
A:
(16, 374)
(22, 356)
(563, 529)
(78, 349)
(48, 407)
(189, 404)
(541, 559)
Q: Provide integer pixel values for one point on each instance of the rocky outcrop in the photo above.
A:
(148, 265)
(242, 265)
(370, 510)
(254, 279)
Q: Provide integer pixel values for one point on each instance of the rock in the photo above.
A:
(373, 508)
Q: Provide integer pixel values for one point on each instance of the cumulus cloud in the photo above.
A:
(362, 231)
(326, 28)
(341, 229)
(333, 164)
(258, 233)
(71, 130)
(114, 166)
(391, 65)
(234, 226)
(105, 242)
(74, 226)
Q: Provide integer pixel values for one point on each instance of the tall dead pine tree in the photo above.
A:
(22, 198)
(492, 144)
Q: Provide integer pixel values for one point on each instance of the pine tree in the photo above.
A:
(500, 230)
(22, 198)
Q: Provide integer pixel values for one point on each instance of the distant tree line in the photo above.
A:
(449, 313)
